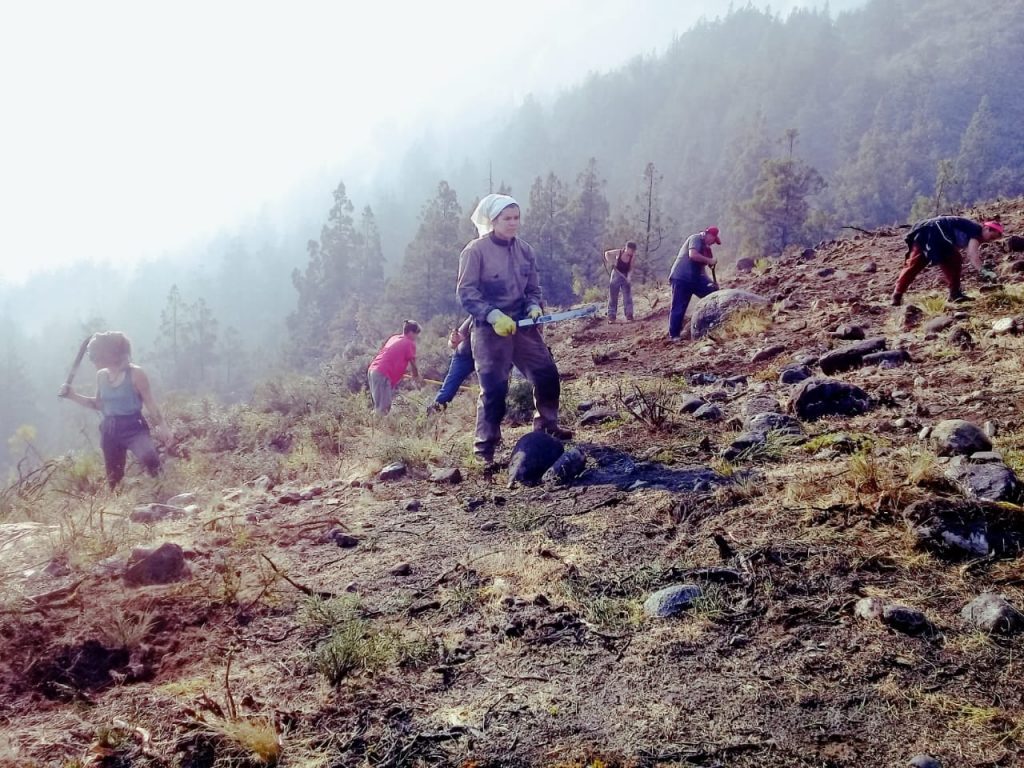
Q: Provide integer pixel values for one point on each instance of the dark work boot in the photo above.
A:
(559, 433)
(897, 299)
(959, 298)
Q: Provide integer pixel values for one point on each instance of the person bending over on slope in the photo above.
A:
(942, 241)
(688, 276)
(388, 367)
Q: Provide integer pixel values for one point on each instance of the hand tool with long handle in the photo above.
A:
(569, 314)
(78, 361)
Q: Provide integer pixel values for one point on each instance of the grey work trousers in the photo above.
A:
(495, 355)
(619, 282)
(381, 391)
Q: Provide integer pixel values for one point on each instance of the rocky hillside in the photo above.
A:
(794, 541)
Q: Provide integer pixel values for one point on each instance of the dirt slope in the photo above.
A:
(473, 624)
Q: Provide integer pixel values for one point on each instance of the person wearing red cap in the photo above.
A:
(688, 276)
(942, 241)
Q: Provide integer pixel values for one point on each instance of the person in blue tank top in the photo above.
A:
(122, 389)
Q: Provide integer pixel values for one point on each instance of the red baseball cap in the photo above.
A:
(994, 225)
(712, 232)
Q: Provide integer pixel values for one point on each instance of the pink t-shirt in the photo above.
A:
(394, 357)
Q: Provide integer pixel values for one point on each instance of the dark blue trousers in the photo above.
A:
(682, 292)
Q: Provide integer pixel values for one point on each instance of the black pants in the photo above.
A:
(120, 434)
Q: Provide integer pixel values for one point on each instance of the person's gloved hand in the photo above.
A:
(534, 312)
(503, 324)
(988, 274)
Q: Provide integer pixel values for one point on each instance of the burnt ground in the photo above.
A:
(479, 625)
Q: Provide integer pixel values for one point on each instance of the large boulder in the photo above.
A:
(818, 396)
(533, 455)
(849, 356)
(715, 308)
(986, 481)
(958, 529)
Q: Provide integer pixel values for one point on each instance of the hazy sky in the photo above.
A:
(132, 128)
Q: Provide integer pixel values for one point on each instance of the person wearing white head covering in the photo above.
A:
(499, 285)
(487, 211)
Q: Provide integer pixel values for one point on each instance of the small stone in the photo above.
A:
(850, 356)
(182, 500)
(992, 613)
(911, 317)
(352, 586)
(690, 404)
(567, 468)
(149, 514)
(448, 476)
(938, 324)
(768, 353)
(909, 621)
(163, 565)
(344, 540)
(870, 268)
(987, 457)
(849, 332)
(1004, 325)
(825, 272)
(413, 505)
(924, 761)
(961, 339)
(586, 405)
(869, 608)
(402, 569)
(671, 600)
(794, 374)
(490, 526)
(989, 428)
(893, 358)
(925, 433)
(289, 497)
(818, 397)
(598, 416)
(709, 412)
(392, 472)
(958, 437)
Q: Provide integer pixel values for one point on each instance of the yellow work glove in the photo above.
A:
(534, 312)
(502, 323)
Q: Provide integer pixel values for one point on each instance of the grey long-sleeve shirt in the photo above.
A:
(498, 274)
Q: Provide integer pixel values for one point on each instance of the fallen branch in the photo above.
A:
(301, 587)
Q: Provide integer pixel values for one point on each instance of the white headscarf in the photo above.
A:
(487, 211)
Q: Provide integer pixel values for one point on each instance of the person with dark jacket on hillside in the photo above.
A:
(688, 276)
(620, 261)
(942, 241)
(498, 285)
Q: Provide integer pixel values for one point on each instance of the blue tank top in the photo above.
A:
(121, 400)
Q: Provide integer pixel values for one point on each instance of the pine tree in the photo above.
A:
(779, 211)
(546, 227)
(323, 319)
(425, 286)
(978, 156)
(589, 212)
(174, 340)
(202, 350)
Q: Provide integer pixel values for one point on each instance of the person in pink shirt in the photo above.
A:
(388, 367)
